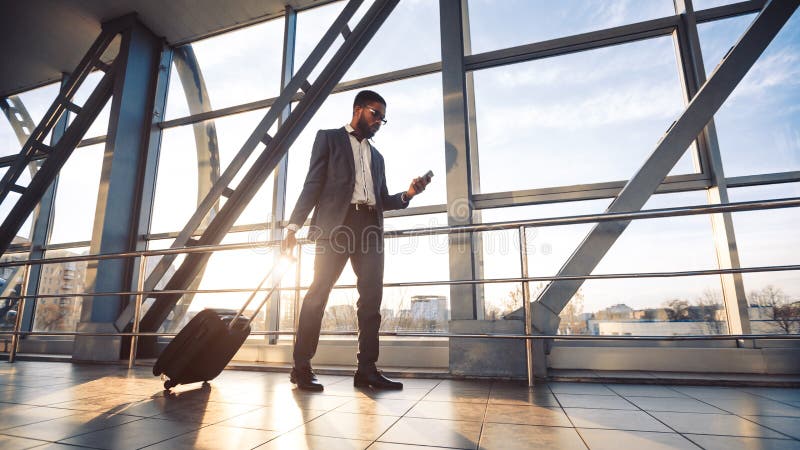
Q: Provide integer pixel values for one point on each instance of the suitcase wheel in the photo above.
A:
(169, 384)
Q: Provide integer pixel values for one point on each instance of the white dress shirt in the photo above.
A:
(364, 192)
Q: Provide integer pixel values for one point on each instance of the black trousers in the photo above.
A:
(360, 240)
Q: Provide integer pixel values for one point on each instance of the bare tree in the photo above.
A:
(571, 320)
(784, 315)
(513, 300)
(707, 308)
(677, 309)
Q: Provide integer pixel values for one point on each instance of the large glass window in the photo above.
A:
(409, 37)
(622, 306)
(100, 125)
(76, 195)
(496, 25)
(66, 280)
(769, 238)
(759, 123)
(36, 102)
(705, 4)
(11, 285)
(236, 67)
(179, 168)
(582, 118)
(228, 269)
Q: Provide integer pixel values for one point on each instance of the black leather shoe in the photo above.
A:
(305, 380)
(375, 379)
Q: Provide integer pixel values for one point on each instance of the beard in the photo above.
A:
(364, 129)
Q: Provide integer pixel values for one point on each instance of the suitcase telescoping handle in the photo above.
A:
(285, 261)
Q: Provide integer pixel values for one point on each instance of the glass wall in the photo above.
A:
(767, 238)
(496, 25)
(581, 118)
(567, 127)
(759, 124)
(63, 280)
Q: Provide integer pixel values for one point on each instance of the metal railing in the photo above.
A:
(140, 294)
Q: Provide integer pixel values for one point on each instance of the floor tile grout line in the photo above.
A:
(772, 399)
(586, 444)
(745, 418)
(328, 411)
(404, 414)
(765, 426)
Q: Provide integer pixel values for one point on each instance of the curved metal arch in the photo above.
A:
(206, 144)
(205, 133)
(22, 124)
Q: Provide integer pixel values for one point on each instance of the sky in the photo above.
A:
(587, 117)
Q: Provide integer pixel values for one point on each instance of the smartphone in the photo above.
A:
(427, 177)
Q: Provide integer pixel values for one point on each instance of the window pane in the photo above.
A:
(411, 143)
(496, 25)
(176, 197)
(705, 4)
(24, 233)
(76, 195)
(11, 281)
(36, 102)
(311, 26)
(651, 306)
(582, 118)
(100, 125)
(759, 124)
(769, 238)
(409, 37)
(64, 279)
(238, 67)
(226, 269)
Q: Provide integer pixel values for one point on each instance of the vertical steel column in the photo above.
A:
(279, 182)
(693, 73)
(12, 352)
(526, 303)
(474, 160)
(463, 303)
(116, 222)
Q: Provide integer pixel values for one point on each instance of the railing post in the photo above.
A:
(137, 312)
(296, 309)
(526, 304)
(12, 352)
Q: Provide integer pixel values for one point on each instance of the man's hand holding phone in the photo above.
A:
(419, 184)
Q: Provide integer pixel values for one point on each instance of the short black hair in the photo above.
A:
(364, 97)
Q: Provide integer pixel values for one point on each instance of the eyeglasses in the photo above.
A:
(377, 115)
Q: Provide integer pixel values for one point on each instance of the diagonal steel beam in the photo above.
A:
(266, 162)
(673, 144)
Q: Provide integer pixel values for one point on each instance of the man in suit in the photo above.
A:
(346, 187)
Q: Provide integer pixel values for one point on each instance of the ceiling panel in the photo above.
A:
(41, 39)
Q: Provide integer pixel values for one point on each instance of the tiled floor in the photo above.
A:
(61, 405)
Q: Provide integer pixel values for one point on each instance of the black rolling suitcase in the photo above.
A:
(202, 349)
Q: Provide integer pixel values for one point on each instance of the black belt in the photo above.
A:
(362, 207)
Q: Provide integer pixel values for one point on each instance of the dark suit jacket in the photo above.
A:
(330, 183)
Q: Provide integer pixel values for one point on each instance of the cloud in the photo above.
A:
(601, 108)
(778, 70)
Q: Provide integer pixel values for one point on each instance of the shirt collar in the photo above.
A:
(350, 131)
